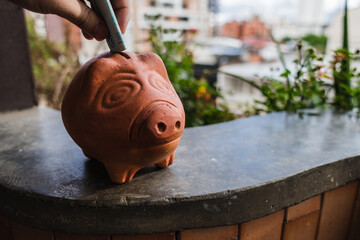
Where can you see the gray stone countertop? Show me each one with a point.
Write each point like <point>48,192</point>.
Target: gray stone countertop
<point>223,174</point>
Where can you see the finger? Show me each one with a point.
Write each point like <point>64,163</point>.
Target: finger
<point>122,12</point>
<point>81,15</point>
<point>85,34</point>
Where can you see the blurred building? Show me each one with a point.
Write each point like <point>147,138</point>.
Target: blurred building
<point>56,29</point>
<point>310,18</point>
<point>254,34</point>
<point>190,18</point>
<point>310,13</point>
<point>63,31</point>
<point>335,30</point>
<point>216,50</point>
<point>214,10</point>
<point>231,29</point>
<point>255,28</point>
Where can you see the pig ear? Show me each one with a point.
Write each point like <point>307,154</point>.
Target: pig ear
<point>155,63</point>
<point>96,71</point>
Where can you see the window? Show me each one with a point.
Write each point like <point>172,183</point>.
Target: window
<point>185,19</point>
<point>168,5</point>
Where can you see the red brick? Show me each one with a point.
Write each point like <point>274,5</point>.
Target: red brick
<point>336,212</point>
<point>302,228</point>
<point>214,233</point>
<point>303,208</point>
<point>268,227</point>
<point>5,231</point>
<point>354,233</point>
<point>22,232</point>
<point>159,236</point>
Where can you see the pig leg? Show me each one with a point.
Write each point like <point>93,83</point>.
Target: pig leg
<point>120,173</point>
<point>168,161</point>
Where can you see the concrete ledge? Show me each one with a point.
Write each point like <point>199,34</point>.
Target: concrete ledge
<point>223,174</point>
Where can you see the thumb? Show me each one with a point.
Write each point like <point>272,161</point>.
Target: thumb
<point>82,16</point>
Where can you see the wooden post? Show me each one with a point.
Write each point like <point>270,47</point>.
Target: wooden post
<point>16,78</point>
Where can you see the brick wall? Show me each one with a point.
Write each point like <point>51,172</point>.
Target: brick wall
<point>333,215</point>
<point>254,28</point>
<point>231,29</point>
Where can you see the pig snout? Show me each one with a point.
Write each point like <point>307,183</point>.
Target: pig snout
<point>164,121</point>
<point>158,124</point>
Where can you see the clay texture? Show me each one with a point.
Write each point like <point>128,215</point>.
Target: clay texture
<point>122,110</point>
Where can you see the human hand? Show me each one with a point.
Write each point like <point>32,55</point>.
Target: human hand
<point>77,12</point>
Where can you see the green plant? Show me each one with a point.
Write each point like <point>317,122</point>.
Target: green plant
<point>316,41</point>
<point>341,70</point>
<point>304,88</point>
<point>346,82</point>
<point>197,96</point>
<point>53,66</point>
<point>286,39</point>
<point>355,92</point>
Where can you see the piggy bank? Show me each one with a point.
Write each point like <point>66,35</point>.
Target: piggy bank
<point>122,110</point>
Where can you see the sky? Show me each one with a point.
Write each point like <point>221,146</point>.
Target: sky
<point>273,10</point>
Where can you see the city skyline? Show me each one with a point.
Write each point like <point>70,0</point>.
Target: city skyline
<point>285,9</point>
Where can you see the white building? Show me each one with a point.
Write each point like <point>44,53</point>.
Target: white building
<point>309,18</point>
<point>335,31</point>
<point>310,13</point>
<point>187,17</point>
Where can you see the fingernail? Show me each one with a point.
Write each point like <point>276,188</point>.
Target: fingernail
<point>101,32</point>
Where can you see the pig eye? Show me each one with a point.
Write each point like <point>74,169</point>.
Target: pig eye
<point>159,83</point>
<point>117,91</point>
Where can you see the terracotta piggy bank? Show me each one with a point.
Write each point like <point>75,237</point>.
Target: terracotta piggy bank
<point>122,110</point>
